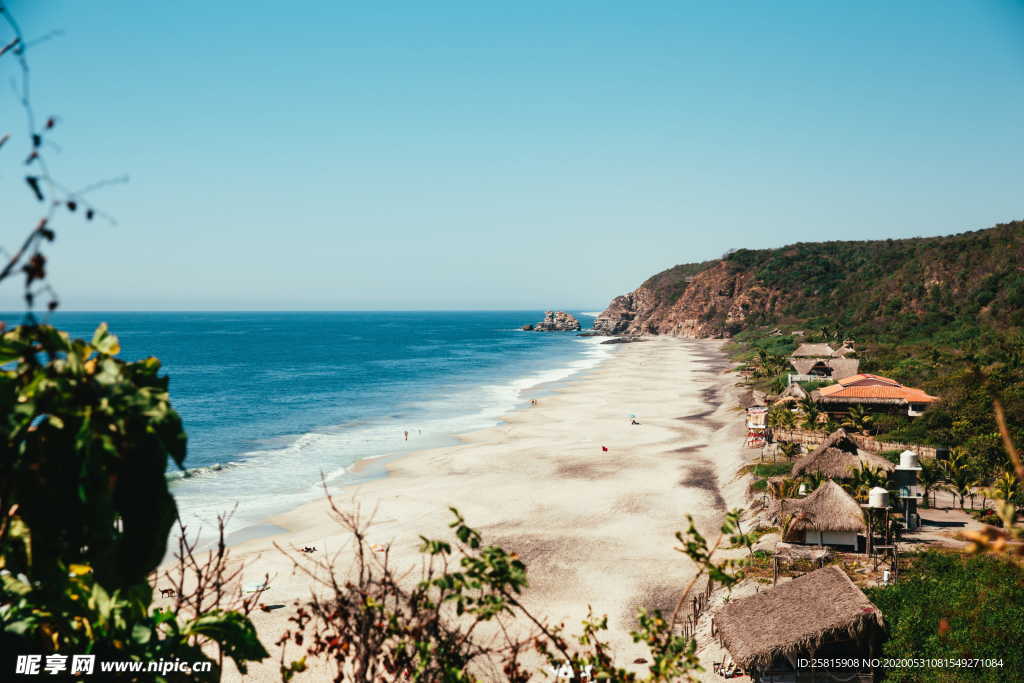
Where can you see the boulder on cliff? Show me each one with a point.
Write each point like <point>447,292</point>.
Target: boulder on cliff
<point>557,321</point>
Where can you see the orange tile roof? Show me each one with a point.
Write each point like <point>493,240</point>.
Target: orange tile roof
<point>909,394</point>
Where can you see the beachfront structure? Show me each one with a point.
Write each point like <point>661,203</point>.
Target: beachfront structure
<point>837,457</point>
<point>872,392</point>
<point>817,362</point>
<point>828,516</point>
<point>906,474</point>
<point>821,615</point>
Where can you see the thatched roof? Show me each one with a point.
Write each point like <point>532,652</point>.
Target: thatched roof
<point>807,350</point>
<point>804,366</point>
<point>839,367</point>
<point>827,508</point>
<point>838,464</point>
<point>837,439</point>
<point>844,367</point>
<point>794,617</point>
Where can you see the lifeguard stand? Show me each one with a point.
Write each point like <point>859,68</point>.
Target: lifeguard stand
<point>757,426</point>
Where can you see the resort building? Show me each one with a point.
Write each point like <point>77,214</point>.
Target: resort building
<point>828,516</point>
<point>812,362</point>
<point>872,392</point>
<point>821,615</point>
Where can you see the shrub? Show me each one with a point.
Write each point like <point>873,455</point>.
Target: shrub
<point>951,606</point>
<point>84,441</point>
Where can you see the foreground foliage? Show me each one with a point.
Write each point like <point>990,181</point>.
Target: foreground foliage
<point>463,618</point>
<point>85,439</point>
<point>954,606</point>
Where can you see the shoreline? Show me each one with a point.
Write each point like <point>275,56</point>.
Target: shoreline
<point>593,527</point>
<point>349,457</point>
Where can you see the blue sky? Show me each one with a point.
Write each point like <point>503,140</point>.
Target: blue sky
<point>502,155</point>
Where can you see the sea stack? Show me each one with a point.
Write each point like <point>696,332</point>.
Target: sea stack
<point>557,321</point>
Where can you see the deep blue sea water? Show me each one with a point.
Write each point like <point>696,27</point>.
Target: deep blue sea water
<point>272,400</point>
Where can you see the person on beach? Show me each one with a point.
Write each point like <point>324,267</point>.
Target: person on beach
<point>406,434</point>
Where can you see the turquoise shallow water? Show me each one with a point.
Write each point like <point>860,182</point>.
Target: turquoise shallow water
<point>272,400</point>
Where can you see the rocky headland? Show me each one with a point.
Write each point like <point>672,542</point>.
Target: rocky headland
<point>871,284</point>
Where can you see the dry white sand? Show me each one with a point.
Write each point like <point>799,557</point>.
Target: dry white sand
<point>594,528</point>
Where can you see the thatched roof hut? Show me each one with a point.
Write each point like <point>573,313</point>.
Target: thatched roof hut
<point>835,368</point>
<point>836,464</point>
<point>837,457</point>
<point>828,509</point>
<point>809,350</point>
<point>837,439</point>
<point>795,618</point>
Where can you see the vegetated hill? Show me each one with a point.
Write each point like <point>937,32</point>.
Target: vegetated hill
<point>942,313</point>
<point>890,289</point>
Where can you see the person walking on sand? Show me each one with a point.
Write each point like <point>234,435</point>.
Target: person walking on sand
<point>406,434</point>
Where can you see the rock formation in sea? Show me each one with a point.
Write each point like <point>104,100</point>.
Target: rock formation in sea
<point>557,321</point>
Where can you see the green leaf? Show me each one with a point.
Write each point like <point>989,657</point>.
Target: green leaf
<point>142,633</point>
<point>105,342</point>
<point>233,632</point>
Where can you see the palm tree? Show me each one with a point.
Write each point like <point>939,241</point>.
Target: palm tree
<point>959,475</point>
<point>859,419</point>
<point>930,476</point>
<point>862,480</point>
<point>811,412</point>
<point>769,365</point>
<point>790,449</point>
<point>780,489</point>
<point>781,416</point>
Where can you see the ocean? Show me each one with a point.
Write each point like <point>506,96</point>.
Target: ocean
<point>272,402</point>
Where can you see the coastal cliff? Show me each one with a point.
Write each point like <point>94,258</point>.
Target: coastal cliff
<point>892,285</point>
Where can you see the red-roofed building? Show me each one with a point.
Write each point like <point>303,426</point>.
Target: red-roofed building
<point>873,392</point>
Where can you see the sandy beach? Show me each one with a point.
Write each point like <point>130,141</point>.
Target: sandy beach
<point>594,527</point>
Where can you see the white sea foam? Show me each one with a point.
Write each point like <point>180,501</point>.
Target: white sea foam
<point>268,481</point>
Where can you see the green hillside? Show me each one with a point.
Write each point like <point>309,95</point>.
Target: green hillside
<point>945,287</point>
<point>942,313</point>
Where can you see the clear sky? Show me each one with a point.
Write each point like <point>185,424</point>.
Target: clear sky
<point>443,155</point>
